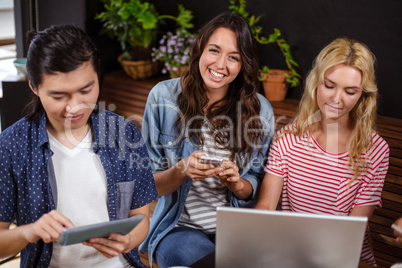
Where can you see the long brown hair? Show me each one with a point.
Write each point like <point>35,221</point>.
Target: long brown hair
<point>241,98</point>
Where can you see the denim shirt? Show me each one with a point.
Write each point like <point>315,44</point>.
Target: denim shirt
<point>28,188</point>
<point>161,138</point>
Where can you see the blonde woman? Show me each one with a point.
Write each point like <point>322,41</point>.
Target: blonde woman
<point>330,160</point>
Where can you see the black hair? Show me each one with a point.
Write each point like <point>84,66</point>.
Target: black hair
<point>59,48</point>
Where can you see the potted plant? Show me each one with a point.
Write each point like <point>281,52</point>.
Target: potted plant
<point>135,23</point>
<point>275,82</point>
<point>174,52</point>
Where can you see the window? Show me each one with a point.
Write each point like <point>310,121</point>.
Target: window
<point>7,30</point>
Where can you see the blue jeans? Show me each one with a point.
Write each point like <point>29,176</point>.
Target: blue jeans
<point>183,246</point>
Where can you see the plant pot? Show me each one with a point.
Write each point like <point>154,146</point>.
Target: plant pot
<point>179,72</point>
<point>139,69</point>
<point>275,85</point>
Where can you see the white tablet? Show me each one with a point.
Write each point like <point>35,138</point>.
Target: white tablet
<point>80,234</point>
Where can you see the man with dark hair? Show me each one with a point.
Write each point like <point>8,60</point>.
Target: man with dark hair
<point>65,165</point>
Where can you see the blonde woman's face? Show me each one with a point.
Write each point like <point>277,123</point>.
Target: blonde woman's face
<point>339,93</point>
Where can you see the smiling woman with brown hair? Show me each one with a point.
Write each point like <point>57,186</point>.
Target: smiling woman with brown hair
<point>213,110</point>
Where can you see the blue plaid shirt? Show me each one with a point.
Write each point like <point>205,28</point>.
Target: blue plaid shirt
<point>27,176</point>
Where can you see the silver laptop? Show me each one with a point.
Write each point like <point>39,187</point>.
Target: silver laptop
<point>260,238</point>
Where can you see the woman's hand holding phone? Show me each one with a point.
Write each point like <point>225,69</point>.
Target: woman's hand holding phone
<point>230,177</point>
<point>227,172</point>
<point>214,162</point>
<point>196,169</point>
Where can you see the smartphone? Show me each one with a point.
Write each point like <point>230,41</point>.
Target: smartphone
<point>211,160</point>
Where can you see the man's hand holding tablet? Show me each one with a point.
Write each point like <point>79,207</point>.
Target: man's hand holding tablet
<point>81,234</point>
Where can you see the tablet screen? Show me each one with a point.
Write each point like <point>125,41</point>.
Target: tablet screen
<point>80,234</point>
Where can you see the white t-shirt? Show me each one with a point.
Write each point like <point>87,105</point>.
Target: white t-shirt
<point>82,198</point>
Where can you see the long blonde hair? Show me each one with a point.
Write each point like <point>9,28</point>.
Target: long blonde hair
<point>354,54</point>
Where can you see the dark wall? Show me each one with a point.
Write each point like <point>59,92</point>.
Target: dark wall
<point>40,14</point>
<point>311,24</point>
<point>307,25</point>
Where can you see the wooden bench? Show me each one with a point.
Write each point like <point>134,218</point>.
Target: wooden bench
<point>129,97</point>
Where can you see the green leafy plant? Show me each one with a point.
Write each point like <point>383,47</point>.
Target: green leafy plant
<point>174,50</point>
<point>239,7</point>
<point>134,23</point>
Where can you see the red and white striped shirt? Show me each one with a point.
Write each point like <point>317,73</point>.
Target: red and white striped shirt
<point>317,182</point>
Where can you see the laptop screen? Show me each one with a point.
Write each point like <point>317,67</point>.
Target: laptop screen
<point>262,238</point>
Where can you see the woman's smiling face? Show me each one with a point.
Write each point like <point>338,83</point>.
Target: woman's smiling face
<point>220,62</point>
